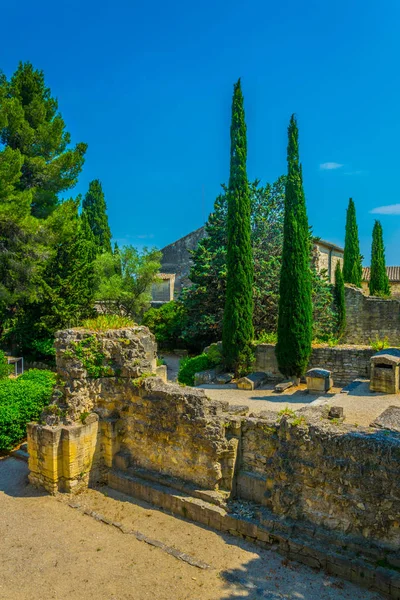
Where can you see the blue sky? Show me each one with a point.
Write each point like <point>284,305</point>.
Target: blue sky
<point>148,86</point>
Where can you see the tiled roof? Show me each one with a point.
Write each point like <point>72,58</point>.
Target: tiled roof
<point>392,272</point>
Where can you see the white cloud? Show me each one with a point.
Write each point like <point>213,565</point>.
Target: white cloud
<point>329,166</point>
<point>389,209</point>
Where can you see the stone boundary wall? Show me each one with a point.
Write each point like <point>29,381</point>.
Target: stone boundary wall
<point>371,317</point>
<point>306,469</point>
<point>346,363</point>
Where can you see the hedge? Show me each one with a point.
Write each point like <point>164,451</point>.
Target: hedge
<point>189,366</point>
<point>21,401</point>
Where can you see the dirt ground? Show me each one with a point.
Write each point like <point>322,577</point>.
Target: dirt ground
<point>52,551</point>
<point>361,406</point>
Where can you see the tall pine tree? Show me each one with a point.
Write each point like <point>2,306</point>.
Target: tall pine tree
<point>352,261</point>
<point>94,208</point>
<point>295,307</point>
<point>340,300</point>
<point>237,334</point>
<point>379,280</point>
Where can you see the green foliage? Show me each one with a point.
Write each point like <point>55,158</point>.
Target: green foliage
<point>88,352</point>
<point>94,209</point>
<point>31,125</point>
<point>352,260</point>
<point>214,353</point>
<point>124,280</point>
<point>166,322</point>
<point>340,300</point>
<point>266,338</point>
<point>45,261</point>
<point>379,344</point>
<point>104,322</point>
<point>66,283</point>
<point>43,349</point>
<point>295,308</point>
<point>21,401</point>
<point>237,332</point>
<point>324,318</point>
<point>204,299</point>
<point>5,368</point>
<point>188,366</point>
<point>379,280</point>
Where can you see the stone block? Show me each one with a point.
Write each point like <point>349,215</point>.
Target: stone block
<point>252,381</point>
<point>162,372</point>
<point>282,387</point>
<point>319,380</point>
<point>207,376</point>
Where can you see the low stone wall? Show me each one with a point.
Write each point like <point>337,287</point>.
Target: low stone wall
<point>346,363</point>
<point>370,317</point>
<point>306,469</point>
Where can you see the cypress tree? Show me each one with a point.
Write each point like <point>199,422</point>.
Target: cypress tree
<point>295,307</point>
<point>117,256</point>
<point>237,332</point>
<point>379,280</point>
<point>95,209</point>
<point>340,299</point>
<point>352,267</point>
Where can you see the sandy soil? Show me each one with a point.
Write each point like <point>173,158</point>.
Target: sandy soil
<point>51,551</point>
<point>362,407</point>
<point>265,398</point>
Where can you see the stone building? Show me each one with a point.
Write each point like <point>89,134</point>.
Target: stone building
<point>327,255</point>
<point>394,280</point>
<point>176,263</point>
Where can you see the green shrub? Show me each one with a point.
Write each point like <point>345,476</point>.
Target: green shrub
<point>191,365</point>
<point>21,401</point>
<point>167,324</point>
<point>379,344</point>
<point>5,368</point>
<point>43,349</point>
<point>104,322</point>
<point>266,338</point>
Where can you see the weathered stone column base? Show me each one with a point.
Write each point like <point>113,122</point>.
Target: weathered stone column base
<point>62,457</point>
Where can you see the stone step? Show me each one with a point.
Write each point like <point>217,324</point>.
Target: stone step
<point>219,498</point>
<point>267,530</point>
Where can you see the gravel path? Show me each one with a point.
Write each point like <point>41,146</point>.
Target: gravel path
<point>51,551</point>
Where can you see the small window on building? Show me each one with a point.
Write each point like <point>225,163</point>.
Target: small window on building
<point>163,290</point>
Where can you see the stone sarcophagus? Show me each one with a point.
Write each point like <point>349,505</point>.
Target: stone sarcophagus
<point>319,380</point>
<point>385,371</point>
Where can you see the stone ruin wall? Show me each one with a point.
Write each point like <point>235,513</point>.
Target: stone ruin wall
<point>147,423</point>
<point>346,363</point>
<point>336,478</point>
<point>371,317</point>
<point>300,467</point>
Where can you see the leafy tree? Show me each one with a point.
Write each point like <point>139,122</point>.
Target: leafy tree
<point>340,299</point>
<point>123,283</point>
<point>31,124</point>
<point>295,308</point>
<point>66,284</point>
<point>204,300</point>
<point>379,280</point>
<point>352,260</point>
<point>166,324</point>
<point>238,333</point>
<point>95,210</point>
